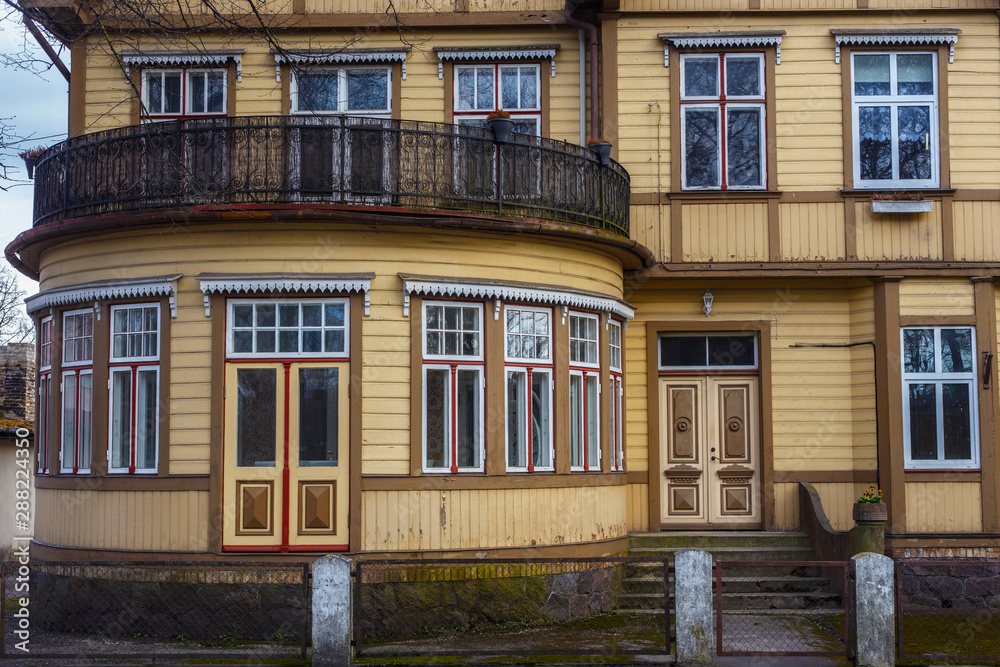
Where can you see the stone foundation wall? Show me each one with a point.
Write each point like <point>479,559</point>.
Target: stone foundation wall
<point>961,585</point>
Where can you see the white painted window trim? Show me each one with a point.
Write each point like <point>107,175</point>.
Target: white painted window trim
<point>85,362</point>
<point>897,37</point>
<point>342,100</point>
<point>347,56</point>
<point>168,59</point>
<point>481,331</point>
<point>938,378</point>
<point>146,359</point>
<point>611,346</point>
<point>251,284</point>
<point>133,414</point>
<point>449,413</point>
<point>77,374</point>
<point>722,41</point>
<point>586,365</point>
<point>42,344</point>
<point>186,95</point>
<point>523,369</point>
<point>457,54</point>
<point>526,361</point>
<point>706,336</point>
<point>585,374</point>
<point>105,290</point>
<point>343,355</point>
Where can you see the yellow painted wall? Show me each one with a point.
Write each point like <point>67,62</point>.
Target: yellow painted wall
<point>638,507</point>
<point>936,297</point>
<point>812,232</point>
<point>491,519</point>
<point>783,5</point>
<point>724,233</point>
<point>140,520</point>
<point>948,507</point>
<point>977,237</point>
<point>837,498</point>
<point>898,235</point>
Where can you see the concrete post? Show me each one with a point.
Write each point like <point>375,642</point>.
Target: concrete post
<point>874,611</point>
<point>693,598</point>
<point>331,611</point>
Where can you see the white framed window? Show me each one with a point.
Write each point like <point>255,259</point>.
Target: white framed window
<point>895,119</point>
<point>44,391</point>
<point>701,352</point>
<point>477,94</point>
<point>77,391</point>
<point>184,92</point>
<point>584,393</point>
<point>529,388</point>
<point>616,387</point>
<point>940,420</point>
<point>287,328</point>
<point>453,384</point>
<point>365,91</point>
<point>723,136</point>
<point>133,388</point>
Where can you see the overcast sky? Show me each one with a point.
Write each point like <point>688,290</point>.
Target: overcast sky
<point>35,108</point>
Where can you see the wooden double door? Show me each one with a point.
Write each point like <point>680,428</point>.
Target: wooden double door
<point>710,452</point>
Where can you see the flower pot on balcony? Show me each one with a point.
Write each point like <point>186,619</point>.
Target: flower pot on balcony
<point>29,163</point>
<point>901,206</point>
<point>502,127</point>
<point>870,512</point>
<point>603,151</point>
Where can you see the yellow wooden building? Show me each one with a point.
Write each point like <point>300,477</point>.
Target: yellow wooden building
<point>295,296</point>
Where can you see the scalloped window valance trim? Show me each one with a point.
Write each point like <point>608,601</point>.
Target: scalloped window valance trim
<point>718,40</point>
<point>217,283</point>
<point>931,37</point>
<point>176,59</point>
<point>339,57</point>
<point>540,52</point>
<point>107,289</point>
<point>509,291</point>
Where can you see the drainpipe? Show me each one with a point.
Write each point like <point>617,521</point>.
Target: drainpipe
<point>591,31</point>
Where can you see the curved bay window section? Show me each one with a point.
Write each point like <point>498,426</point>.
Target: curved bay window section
<point>134,389</point>
<point>529,390</point>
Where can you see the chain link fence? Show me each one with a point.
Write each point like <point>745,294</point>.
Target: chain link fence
<point>782,608</point>
<point>948,609</point>
<point>233,610</point>
<point>523,607</point>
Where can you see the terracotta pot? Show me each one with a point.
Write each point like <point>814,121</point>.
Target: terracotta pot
<point>870,512</point>
<point>502,127</point>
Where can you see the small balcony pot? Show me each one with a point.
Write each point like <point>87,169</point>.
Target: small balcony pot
<point>29,163</point>
<point>901,206</point>
<point>502,127</point>
<point>870,512</point>
<point>603,150</point>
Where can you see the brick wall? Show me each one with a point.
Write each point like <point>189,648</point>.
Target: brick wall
<point>17,381</point>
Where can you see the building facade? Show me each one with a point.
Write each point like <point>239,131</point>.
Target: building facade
<point>295,297</point>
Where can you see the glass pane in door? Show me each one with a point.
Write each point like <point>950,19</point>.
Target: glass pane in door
<point>319,390</point>
<point>256,433</point>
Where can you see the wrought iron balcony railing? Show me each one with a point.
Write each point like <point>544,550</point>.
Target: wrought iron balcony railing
<point>371,162</point>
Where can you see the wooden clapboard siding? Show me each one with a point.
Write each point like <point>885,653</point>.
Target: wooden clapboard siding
<point>948,507</point>
<point>974,103</point>
<point>792,5</point>
<point>650,226</point>
<point>838,501</point>
<point>812,232</point>
<point>386,371</point>
<point>933,297</point>
<point>862,357</point>
<point>491,518</point>
<point>138,520</point>
<point>638,507</point>
<point>977,236</point>
<point>724,233</point>
<point>786,506</point>
<point>636,423</point>
<point>898,235</point>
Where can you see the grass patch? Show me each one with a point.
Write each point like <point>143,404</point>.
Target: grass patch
<point>947,637</point>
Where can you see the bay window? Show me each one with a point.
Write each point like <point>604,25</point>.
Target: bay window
<point>134,388</point>
<point>584,389</point>
<point>184,92</point>
<point>528,355</point>
<point>940,423</point>
<point>77,391</point>
<point>44,391</point>
<point>617,391</point>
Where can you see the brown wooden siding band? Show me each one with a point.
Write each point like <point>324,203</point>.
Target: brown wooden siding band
<point>130,483</point>
<point>101,400</point>
<point>355,396</point>
<point>943,476</point>
<point>637,477</point>
<point>78,89</point>
<point>947,229</point>
<point>560,351</point>
<point>609,80</point>
<point>799,196</point>
<point>478,481</point>
<point>937,320</point>
<point>833,269</point>
<point>653,422</point>
<point>495,395</point>
<point>889,401</point>
<point>216,508</point>
<point>825,476</point>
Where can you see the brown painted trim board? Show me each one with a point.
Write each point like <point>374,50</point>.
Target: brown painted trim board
<point>889,401</point>
<point>78,89</point>
<point>355,393</point>
<point>472,482</point>
<point>609,80</point>
<point>416,386</point>
<point>216,510</point>
<point>825,476</point>
<point>637,477</point>
<point>124,483</point>
<point>937,320</point>
<point>989,407</point>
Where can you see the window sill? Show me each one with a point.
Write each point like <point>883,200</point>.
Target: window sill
<point>901,206</point>
<point>724,194</point>
<point>943,475</point>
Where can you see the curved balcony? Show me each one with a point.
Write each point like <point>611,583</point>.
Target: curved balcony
<point>329,160</point>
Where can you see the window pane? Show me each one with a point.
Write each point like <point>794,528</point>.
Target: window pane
<point>918,350</point>
<point>701,147</point>
<point>172,92</point>
<point>216,92</point>
<point>312,340</point>
<point>196,85</point>
<point>540,414</point>
<point>265,315</point>
<point>265,341</point>
<point>436,416</point>
<point>529,88</point>
<point>69,422</point>
<point>243,316</point>
<point>915,74</point>
<point>318,91</point>
<point>367,90</point>
<point>871,75</point>
<point>256,417</point>
<point>526,126</point>
<point>875,139</point>
<point>956,350</point>
<point>470,344</point>
<point>731,351</point>
<point>484,88</point>
<point>701,77</point>
<point>335,315</point>
<point>155,94</point>
<point>914,142</point>
<point>86,419</point>
<point>121,418</point>
<point>318,416</point>
<point>242,341</point>
<point>743,147</point>
<point>743,76</point>
<point>288,341</point>
<point>288,315</point>
<point>509,88</point>
<point>683,351</point>
<point>592,413</point>
<point>466,88</point>
<point>145,420</point>
<point>923,422</point>
<point>468,418</point>
<point>957,420</point>
<point>576,420</point>
<point>312,315</point>
<point>517,444</point>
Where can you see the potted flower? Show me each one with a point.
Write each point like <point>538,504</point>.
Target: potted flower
<point>30,158</point>
<point>870,507</point>
<point>501,124</point>
<point>900,202</point>
<point>602,147</point>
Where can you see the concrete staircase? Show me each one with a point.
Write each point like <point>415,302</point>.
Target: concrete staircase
<point>795,590</point>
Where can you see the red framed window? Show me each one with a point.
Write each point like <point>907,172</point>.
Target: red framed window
<point>617,393</point>
<point>77,391</point>
<point>44,392</point>
<point>134,370</point>
<point>528,356</point>
<point>584,393</point>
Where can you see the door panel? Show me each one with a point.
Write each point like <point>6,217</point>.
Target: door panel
<point>710,447</point>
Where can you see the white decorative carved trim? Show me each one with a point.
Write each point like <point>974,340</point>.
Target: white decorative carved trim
<point>107,289</point>
<point>719,40</point>
<point>541,52</point>
<point>177,59</point>
<point>217,283</point>
<point>948,36</point>
<point>338,57</point>
<point>510,291</point>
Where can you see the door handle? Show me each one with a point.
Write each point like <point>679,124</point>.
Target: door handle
<point>713,458</point>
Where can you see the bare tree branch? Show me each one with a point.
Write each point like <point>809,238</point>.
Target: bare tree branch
<point>15,327</point>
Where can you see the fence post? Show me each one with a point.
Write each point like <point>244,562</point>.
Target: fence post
<point>693,599</point>
<point>874,611</point>
<point>331,610</point>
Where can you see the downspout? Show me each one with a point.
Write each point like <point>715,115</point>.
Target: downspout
<point>591,31</point>
<point>583,89</point>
